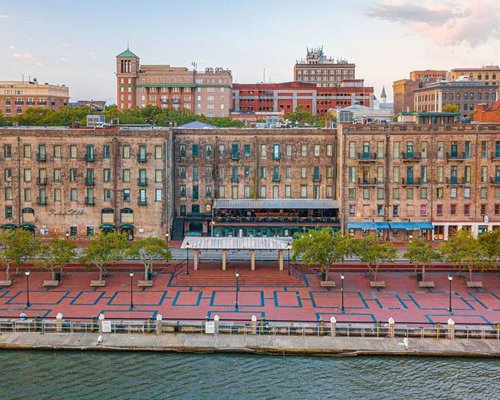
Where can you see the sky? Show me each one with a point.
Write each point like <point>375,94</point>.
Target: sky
<point>74,42</point>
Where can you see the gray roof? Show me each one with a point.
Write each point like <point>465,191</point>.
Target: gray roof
<point>235,243</point>
<point>278,204</point>
<point>196,125</point>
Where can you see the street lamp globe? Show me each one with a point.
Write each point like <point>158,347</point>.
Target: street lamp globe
<point>27,273</point>
<point>131,273</point>
<point>450,278</point>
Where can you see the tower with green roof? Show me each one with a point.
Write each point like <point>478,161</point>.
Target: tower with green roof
<point>127,72</point>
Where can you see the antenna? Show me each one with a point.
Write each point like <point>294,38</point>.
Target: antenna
<point>264,75</point>
<point>128,45</point>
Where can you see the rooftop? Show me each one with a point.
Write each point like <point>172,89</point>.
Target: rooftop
<point>126,54</point>
<point>234,243</point>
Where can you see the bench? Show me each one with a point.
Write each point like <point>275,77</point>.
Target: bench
<point>51,283</point>
<point>426,284</point>
<point>474,284</point>
<point>6,283</point>
<point>327,284</point>
<point>98,283</point>
<point>377,284</point>
<point>145,283</point>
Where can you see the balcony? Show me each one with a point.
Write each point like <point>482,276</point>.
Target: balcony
<point>495,155</point>
<point>90,201</point>
<point>411,182</point>
<point>317,178</point>
<point>235,156</point>
<point>89,181</point>
<point>367,157</point>
<point>495,181</point>
<point>90,158</point>
<point>142,159</point>
<point>41,181</point>
<point>142,182</point>
<point>276,178</point>
<point>235,179</point>
<point>410,157</point>
<point>41,157</point>
<point>41,201</point>
<point>367,182</point>
<point>455,156</point>
<point>455,181</point>
<point>142,201</point>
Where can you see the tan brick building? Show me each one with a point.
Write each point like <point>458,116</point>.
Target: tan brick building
<point>489,75</point>
<point>178,88</point>
<point>399,181</point>
<point>17,96</point>
<point>78,181</point>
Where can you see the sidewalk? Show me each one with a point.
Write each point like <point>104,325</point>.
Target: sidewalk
<point>258,344</point>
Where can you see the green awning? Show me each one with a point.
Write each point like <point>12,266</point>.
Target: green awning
<point>107,226</point>
<point>127,226</point>
<point>9,226</point>
<point>30,227</point>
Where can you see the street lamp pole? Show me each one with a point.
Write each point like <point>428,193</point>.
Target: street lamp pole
<point>288,248</point>
<point>450,278</point>
<point>237,274</point>
<point>167,236</point>
<point>212,223</point>
<point>131,273</point>
<point>342,276</point>
<point>188,246</point>
<point>67,235</point>
<point>27,273</point>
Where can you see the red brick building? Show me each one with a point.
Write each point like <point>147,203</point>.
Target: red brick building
<point>487,114</point>
<point>286,97</point>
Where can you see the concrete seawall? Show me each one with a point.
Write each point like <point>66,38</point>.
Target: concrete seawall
<point>254,344</point>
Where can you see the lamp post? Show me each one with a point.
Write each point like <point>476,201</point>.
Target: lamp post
<point>188,246</point>
<point>167,236</point>
<point>212,223</point>
<point>342,276</point>
<point>131,273</point>
<point>67,235</point>
<point>450,278</point>
<point>288,247</point>
<point>237,275</point>
<point>27,273</point>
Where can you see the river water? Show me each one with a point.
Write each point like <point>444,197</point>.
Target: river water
<point>135,375</point>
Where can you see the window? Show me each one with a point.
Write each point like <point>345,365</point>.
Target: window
<point>423,173</point>
<point>263,192</point>
<point>208,191</point>
<point>396,174</point>
<point>263,172</point>
<point>27,195</point>
<point>425,149</point>
<point>396,150</point>
<point>380,194</point>
<point>8,212</point>
<point>423,193</point>
<point>395,210</point>
<point>158,175</point>
<point>409,193</point>
<point>263,150</point>
<point>329,150</point>
<point>57,151</point>
<point>440,149</point>
<point>352,149</point>
<point>352,174</point>
<point>466,209</point>
<point>73,175</point>
<point>303,191</point>
<point>27,175</point>
<point>126,195</point>
<point>439,210</point>
<point>158,152</point>
<point>73,151</point>
<point>221,191</point>
<point>288,191</point>
<point>453,209</point>
<point>27,151</point>
<point>380,210</point>
<point>380,150</point>
<point>483,209</point>
<point>317,150</point>
<point>352,194</point>
<point>352,210</point>
<point>395,193</point>
<point>126,175</point>
<point>484,149</point>
<point>483,193</point>
<point>222,150</point>
<point>484,174</point>
<point>497,209</point>
<point>329,192</point>
<point>126,151</point>
<point>329,172</point>
<point>57,175</point>
<point>208,151</point>
<point>303,150</point>
<point>7,151</point>
<point>247,151</point>
<point>182,151</point>
<point>182,191</point>
<point>366,194</point>
<point>182,172</point>
<point>73,195</point>
<point>196,175</point>
<point>195,150</point>
<point>107,195</point>
<point>440,174</point>
<point>106,151</point>
<point>466,193</point>
<point>289,150</point>
<point>453,193</point>
<point>303,172</point>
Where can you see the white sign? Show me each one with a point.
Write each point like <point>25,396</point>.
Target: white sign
<point>106,326</point>
<point>210,327</point>
<point>486,219</point>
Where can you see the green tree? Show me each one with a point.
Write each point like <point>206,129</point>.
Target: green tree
<point>148,251</point>
<point>421,253</point>
<point>373,253</point>
<point>56,254</point>
<point>490,242</point>
<point>104,249</point>
<point>302,117</point>
<point>17,247</point>
<point>464,251</point>
<point>450,108</point>
<point>321,248</point>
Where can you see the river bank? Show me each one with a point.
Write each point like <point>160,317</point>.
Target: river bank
<point>254,344</point>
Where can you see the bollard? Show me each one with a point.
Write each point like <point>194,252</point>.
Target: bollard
<point>377,328</point>
<point>321,326</point>
<point>101,319</point>
<point>253,325</point>
<point>59,322</point>
<point>159,319</point>
<point>333,326</point>
<point>451,329</point>
<point>498,331</point>
<point>390,332</point>
<point>216,323</point>
<point>438,330</point>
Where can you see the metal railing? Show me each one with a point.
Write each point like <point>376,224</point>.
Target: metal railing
<point>263,327</point>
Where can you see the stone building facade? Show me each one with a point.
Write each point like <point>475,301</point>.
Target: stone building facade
<point>77,181</point>
<point>399,181</point>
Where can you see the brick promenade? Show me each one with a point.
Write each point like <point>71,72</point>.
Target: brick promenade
<point>266,292</point>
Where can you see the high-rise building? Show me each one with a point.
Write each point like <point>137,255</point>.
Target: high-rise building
<point>164,86</point>
<point>17,96</point>
<point>322,71</point>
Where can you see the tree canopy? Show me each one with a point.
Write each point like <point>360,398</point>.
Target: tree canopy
<point>490,241</point>
<point>56,254</point>
<point>16,247</point>
<point>450,108</point>
<point>148,251</point>
<point>422,253</point>
<point>373,253</point>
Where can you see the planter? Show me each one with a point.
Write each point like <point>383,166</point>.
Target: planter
<point>6,283</point>
<point>51,283</point>
<point>377,284</point>
<point>145,283</point>
<point>474,284</point>
<point>98,283</point>
<point>426,284</point>
<point>327,284</point>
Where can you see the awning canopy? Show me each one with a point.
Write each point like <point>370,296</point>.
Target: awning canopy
<point>9,226</point>
<point>234,243</point>
<point>410,226</point>
<point>127,226</point>
<point>277,204</point>
<point>368,226</point>
<point>30,227</point>
<point>107,226</point>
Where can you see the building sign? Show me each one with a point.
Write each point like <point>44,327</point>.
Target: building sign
<point>66,213</point>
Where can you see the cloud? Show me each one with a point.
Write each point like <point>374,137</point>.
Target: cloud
<point>12,47</point>
<point>450,24</point>
<point>22,55</point>
<point>4,16</point>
